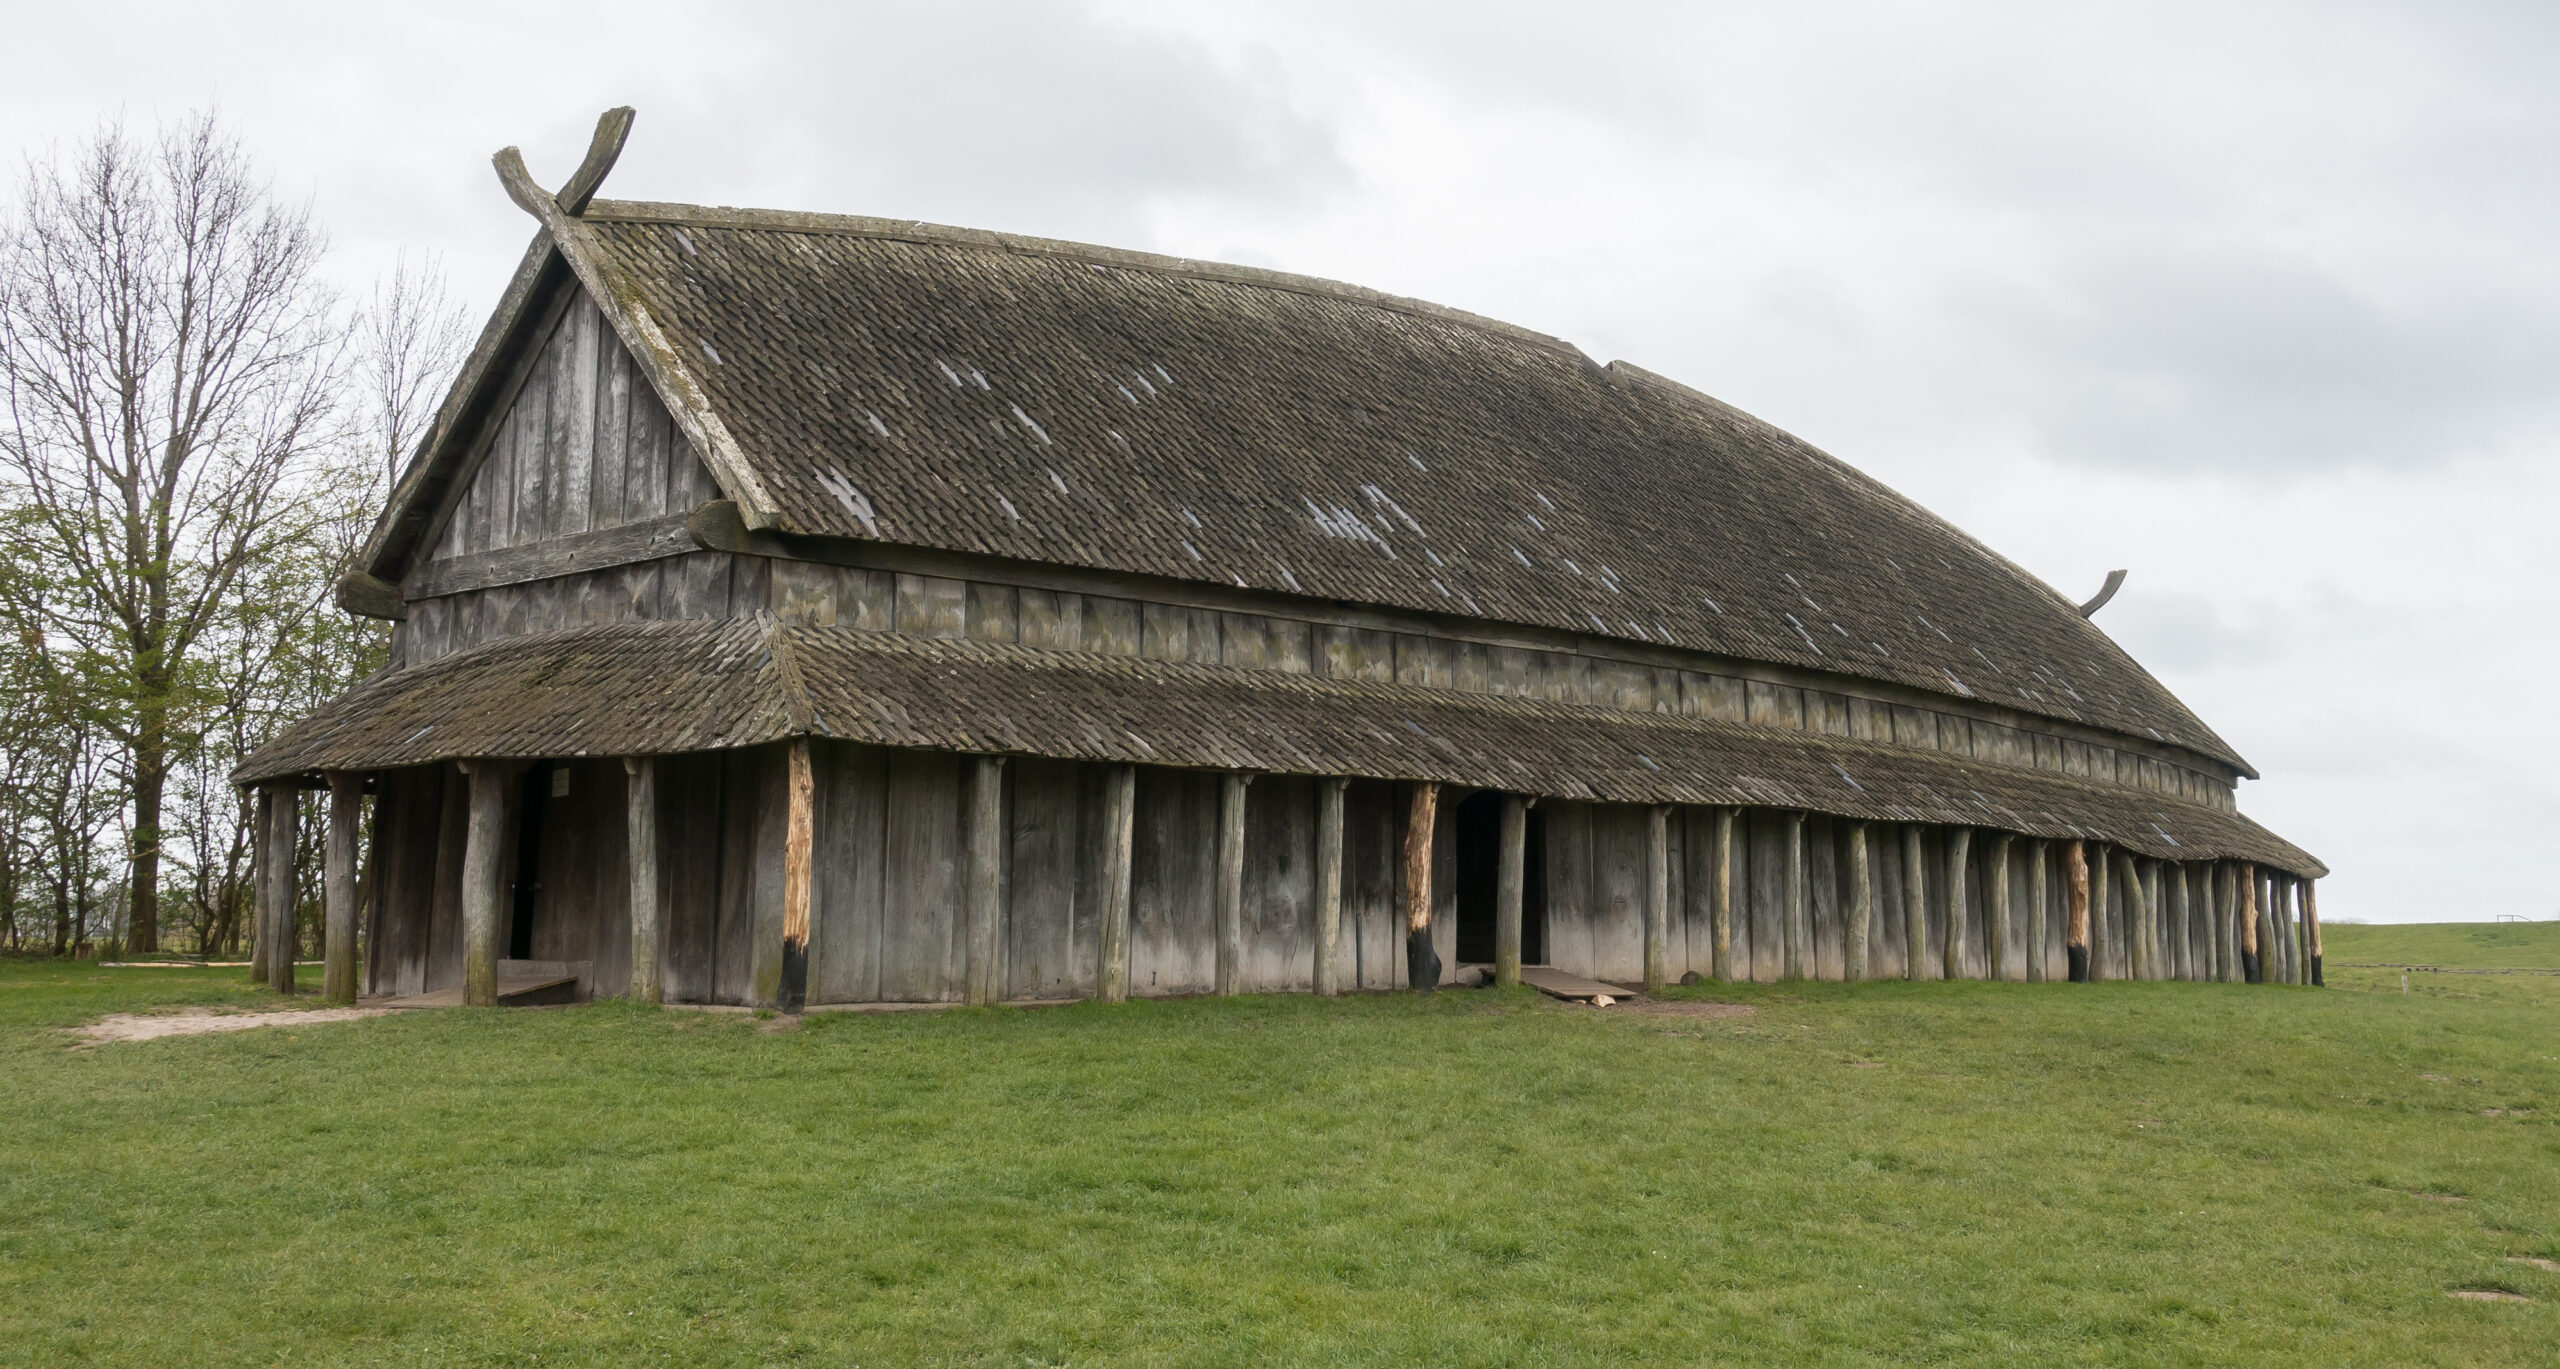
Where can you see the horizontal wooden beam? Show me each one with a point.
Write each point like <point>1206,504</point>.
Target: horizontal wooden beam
<point>651,540</point>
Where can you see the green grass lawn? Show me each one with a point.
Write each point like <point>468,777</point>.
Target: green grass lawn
<point>2118,1174</point>
<point>2472,944</point>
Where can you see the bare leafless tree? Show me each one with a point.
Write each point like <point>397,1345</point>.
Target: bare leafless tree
<point>169,379</point>
<point>410,341</point>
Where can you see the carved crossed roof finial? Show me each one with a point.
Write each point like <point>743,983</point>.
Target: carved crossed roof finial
<point>612,130</point>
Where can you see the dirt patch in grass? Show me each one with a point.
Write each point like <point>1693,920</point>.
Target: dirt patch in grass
<point>125,1026</point>
<point>1659,1007</point>
<point>2485,1295</point>
<point>2546,1266</point>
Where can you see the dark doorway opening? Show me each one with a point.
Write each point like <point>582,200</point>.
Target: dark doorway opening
<point>532,797</point>
<point>1479,877</point>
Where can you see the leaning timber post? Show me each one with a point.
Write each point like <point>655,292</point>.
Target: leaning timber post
<point>2039,901</point>
<point>985,891</point>
<point>262,873</point>
<point>1995,912</point>
<point>1959,922</point>
<point>338,888</point>
<point>2099,945</point>
<point>799,843</point>
<point>2235,969</point>
<point>2075,894</point>
<point>2311,929</point>
<point>1862,906</point>
<point>484,878</point>
<point>1510,887</point>
<point>1422,962</point>
<point>284,821</point>
<point>1915,906</point>
<point>2137,917</point>
<point>1329,885</point>
<point>1230,887</point>
<point>2298,946</point>
<point>2155,921</point>
<point>1119,826</point>
<point>640,836</point>
<point>2181,958</point>
<point>1720,892</point>
<point>1657,898</point>
<point>2251,966</point>
<point>1797,944</point>
<point>2280,906</point>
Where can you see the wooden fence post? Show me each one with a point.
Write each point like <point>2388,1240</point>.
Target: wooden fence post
<point>1657,898</point>
<point>1422,960</point>
<point>1862,896</point>
<point>338,893</point>
<point>2075,874</point>
<point>1915,906</point>
<point>1230,883</point>
<point>1119,821</point>
<point>484,878</point>
<point>1328,882</point>
<point>284,821</point>
<point>1510,890</point>
<point>640,841</point>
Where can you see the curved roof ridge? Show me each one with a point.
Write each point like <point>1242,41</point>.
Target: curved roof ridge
<point>1023,244</point>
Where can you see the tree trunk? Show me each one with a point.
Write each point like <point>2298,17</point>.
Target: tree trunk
<point>150,785</point>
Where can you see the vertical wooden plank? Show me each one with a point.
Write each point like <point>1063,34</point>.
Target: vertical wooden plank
<point>2102,941</point>
<point>338,893</point>
<point>284,820</point>
<point>1045,956</point>
<point>484,879</point>
<point>1329,800</point>
<point>1862,897</point>
<point>2039,946</point>
<point>1112,627</point>
<point>1276,941</point>
<point>992,613</point>
<point>640,818</point>
<point>1230,882</point>
<point>1510,883</point>
<point>984,886</point>
<point>921,926</point>
<point>1119,813</point>
<point>1798,908</point>
<point>1657,898</point>
<point>1173,936</point>
<point>2311,932</point>
<point>2075,874</point>
<point>574,508</point>
<point>1826,922</point>
<point>799,836</point>
<point>931,606</point>
<point>2001,949</point>
<point>1720,892</point>
<point>1050,619</point>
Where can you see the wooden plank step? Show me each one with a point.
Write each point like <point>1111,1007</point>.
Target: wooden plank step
<point>1573,988</point>
<point>536,990</point>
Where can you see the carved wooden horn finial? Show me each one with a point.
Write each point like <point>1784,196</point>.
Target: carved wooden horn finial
<point>2115,581</point>
<point>612,130</point>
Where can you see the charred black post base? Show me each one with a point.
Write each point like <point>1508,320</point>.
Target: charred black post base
<point>2316,981</point>
<point>1422,962</point>
<point>2249,968</point>
<point>794,995</point>
<point>2079,964</point>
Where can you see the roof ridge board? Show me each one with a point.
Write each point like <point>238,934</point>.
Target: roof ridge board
<point>1023,244</point>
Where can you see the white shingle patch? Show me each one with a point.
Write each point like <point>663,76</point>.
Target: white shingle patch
<point>712,352</point>
<point>1162,374</point>
<point>876,425</point>
<point>685,243</point>
<point>980,377</point>
<point>1144,384</point>
<point>1036,430</point>
<point>1417,463</point>
<point>1009,511</point>
<point>951,375</point>
<point>1124,393</point>
<point>1521,557</point>
<point>854,501</point>
<point>1055,479</point>
<point>1191,551</point>
<point>1189,517</point>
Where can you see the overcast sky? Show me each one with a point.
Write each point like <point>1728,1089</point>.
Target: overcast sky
<point>2259,301</point>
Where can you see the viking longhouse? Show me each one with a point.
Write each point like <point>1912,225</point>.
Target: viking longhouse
<point>795,609</point>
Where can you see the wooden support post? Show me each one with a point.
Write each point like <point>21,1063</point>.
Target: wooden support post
<point>1119,826</point>
<point>1797,942</point>
<point>1996,911</point>
<point>2252,965</point>
<point>1657,898</point>
<point>2227,881</point>
<point>1862,905</point>
<point>1720,892</point>
<point>1959,853</point>
<point>2182,948</point>
<point>1230,883</point>
<point>338,891</point>
<point>799,842</point>
<point>262,812</point>
<point>284,821</point>
<point>2156,920</point>
<point>484,878</point>
<point>1915,905</point>
<point>2039,904</point>
<point>1422,960</point>
<point>985,889</point>
<point>2075,885</point>
<point>2137,917</point>
<point>2311,930</point>
<point>1329,886</point>
<point>640,842</point>
<point>2280,885</point>
<point>2100,946</point>
<point>1510,890</point>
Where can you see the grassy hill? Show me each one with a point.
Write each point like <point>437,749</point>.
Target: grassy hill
<point>1953,1173</point>
<point>2498,944</point>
